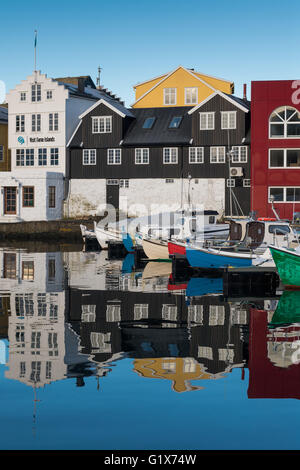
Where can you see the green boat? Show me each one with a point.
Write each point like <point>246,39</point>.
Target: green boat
<point>287,261</point>
<point>288,309</point>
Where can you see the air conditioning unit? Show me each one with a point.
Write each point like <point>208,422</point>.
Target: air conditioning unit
<point>236,171</point>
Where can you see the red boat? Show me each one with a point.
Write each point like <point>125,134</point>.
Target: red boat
<point>176,248</point>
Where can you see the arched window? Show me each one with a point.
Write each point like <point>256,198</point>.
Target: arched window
<point>285,122</point>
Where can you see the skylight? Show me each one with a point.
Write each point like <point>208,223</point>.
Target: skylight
<point>148,123</point>
<point>175,122</point>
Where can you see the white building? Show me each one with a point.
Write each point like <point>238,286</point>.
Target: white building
<point>42,115</point>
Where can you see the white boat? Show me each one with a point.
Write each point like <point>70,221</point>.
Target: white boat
<point>104,235</point>
<point>155,249</point>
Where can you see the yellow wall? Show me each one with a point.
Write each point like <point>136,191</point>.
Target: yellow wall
<point>5,165</point>
<point>179,79</point>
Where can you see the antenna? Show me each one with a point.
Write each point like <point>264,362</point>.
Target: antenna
<point>98,78</point>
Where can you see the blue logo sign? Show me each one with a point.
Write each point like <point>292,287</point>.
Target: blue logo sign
<point>21,140</point>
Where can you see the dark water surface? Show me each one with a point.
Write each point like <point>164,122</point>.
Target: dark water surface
<point>97,354</point>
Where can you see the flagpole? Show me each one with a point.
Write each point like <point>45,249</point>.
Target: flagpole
<point>35,39</point>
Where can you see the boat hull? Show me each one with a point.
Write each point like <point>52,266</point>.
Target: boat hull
<point>176,248</point>
<point>201,258</point>
<point>155,249</point>
<point>103,236</point>
<point>288,266</point>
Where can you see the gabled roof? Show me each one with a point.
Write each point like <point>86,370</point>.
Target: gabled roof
<point>244,105</point>
<point>87,80</point>
<point>160,133</point>
<point>168,75</point>
<point>114,105</point>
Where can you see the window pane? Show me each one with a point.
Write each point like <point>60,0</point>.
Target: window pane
<point>277,130</point>
<point>293,194</point>
<point>276,158</point>
<point>293,129</point>
<point>277,193</point>
<point>293,158</point>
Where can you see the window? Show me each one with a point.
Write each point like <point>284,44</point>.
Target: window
<point>53,122</point>
<point>169,180</point>
<point>207,121</point>
<point>20,123</point>
<point>196,154</point>
<point>228,119</point>
<point>101,124</point>
<point>246,183</point>
<point>54,156</point>
<point>191,96</point>
<point>28,271</point>
<point>29,157</point>
<point>89,157</point>
<point>124,184</point>
<point>148,123</point>
<point>217,154</point>
<point>287,194</point>
<point>230,183</point>
<point>141,311</point>
<point>10,266</point>
<point>216,315</point>
<point>36,123</point>
<point>141,156</point>
<point>169,95</point>
<point>35,92</point>
<point>42,153</point>
<point>284,158</point>
<point>170,155</point>
<point>113,313</point>
<point>205,352</point>
<point>239,154</point>
<point>23,96</point>
<point>114,157</point>
<point>175,122</point>
<point>28,196</point>
<point>279,229</point>
<point>49,94</point>
<point>112,182</point>
<point>1,153</point>
<point>284,122</point>
<point>20,157</point>
<point>52,197</point>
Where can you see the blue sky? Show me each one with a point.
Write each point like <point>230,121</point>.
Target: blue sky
<point>135,40</point>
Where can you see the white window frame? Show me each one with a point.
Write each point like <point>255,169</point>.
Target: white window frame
<point>284,194</point>
<point>247,183</point>
<point>42,153</point>
<point>29,157</point>
<point>36,92</point>
<point>89,157</point>
<point>124,183</point>
<point>112,182</point>
<point>172,154</point>
<point>101,124</point>
<point>53,122</point>
<point>227,114</point>
<point>284,122</point>
<point>199,155</point>
<point>218,157</point>
<point>284,160</point>
<point>20,126</point>
<point>204,126</point>
<point>54,156</point>
<point>169,180</point>
<point>114,156</point>
<point>49,93</point>
<point>230,183</point>
<point>23,94</point>
<point>189,90</point>
<point>35,123</point>
<point>144,152</point>
<point>168,91</point>
<point>240,158</point>
<point>21,154</point>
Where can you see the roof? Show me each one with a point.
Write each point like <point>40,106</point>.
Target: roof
<point>84,86</point>
<point>75,80</point>
<point>240,103</point>
<point>113,104</point>
<point>160,132</point>
<point>3,114</point>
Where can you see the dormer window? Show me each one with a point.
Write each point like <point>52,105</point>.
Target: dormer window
<point>148,123</point>
<point>170,96</point>
<point>101,124</point>
<point>175,122</point>
<point>285,122</point>
<point>36,92</point>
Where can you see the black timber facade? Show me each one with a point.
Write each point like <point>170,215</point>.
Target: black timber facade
<point>128,134</point>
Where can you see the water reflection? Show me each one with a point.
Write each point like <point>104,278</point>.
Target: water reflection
<point>71,315</point>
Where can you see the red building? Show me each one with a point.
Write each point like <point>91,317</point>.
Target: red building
<point>275,147</point>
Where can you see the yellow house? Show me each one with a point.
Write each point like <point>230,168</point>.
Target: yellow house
<point>179,370</point>
<point>181,87</point>
<point>4,152</point>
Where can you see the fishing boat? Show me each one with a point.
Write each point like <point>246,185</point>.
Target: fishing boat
<point>156,249</point>
<point>287,261</point>
<point>105,234</point>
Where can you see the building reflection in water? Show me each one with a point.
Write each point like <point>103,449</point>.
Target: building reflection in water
<point>75,314</point>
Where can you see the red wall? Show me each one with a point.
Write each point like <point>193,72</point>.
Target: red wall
<point>266,96</point>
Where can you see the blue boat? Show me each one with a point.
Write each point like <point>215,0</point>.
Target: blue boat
<point>128,243</point>
<point>212,258</point>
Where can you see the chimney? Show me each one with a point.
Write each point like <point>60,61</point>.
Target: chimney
<point>81,83</point>
<point>245,91</point>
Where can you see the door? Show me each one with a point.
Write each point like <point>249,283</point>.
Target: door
<point>112,192</point>
<point>10,200</point>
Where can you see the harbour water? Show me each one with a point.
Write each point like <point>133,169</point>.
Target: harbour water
<point>98,354</point>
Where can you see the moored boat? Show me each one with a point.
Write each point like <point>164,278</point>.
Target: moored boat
<point>287,261</point>
<point>156,249</point>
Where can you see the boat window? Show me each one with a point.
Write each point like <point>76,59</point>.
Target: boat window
<point>279,229</point>
<point>211,219</point>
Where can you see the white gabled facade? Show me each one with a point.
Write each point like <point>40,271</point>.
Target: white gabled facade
<point>42,116</point>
